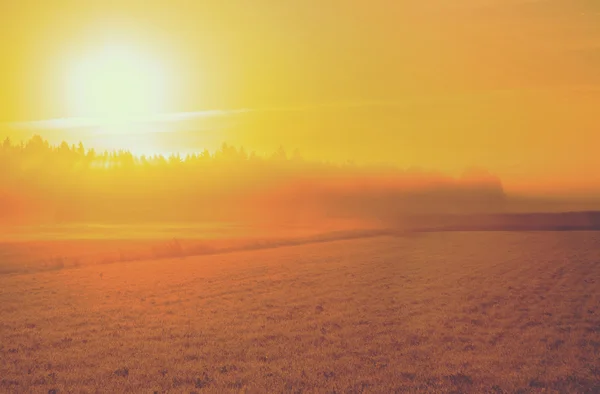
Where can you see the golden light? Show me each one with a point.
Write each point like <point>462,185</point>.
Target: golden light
<point>116,82</point>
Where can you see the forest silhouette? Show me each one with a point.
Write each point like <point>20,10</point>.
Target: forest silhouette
<point>44,184</point>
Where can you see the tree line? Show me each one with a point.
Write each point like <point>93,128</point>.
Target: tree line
<point>40,182</point>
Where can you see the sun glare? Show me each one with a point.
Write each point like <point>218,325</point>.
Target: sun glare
<point>116,82</point>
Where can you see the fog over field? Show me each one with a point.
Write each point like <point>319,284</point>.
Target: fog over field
<point>310,196</point>
<point>235,272</point>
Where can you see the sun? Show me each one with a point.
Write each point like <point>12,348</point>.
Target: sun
<point>116,82</point>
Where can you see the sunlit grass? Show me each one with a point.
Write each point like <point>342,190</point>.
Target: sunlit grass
<point>427,313</point>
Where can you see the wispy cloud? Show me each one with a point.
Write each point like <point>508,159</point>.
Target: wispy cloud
<point>94,122</point>
<point>178,117</point>
<point>153,122</point>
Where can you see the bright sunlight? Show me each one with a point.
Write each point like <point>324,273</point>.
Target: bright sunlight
<point>115,83</point>
<point>268,196</point>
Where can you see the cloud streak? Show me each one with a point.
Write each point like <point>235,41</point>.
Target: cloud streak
<point>177,117</point>
<point>92,122</point>
<point>68,123</point>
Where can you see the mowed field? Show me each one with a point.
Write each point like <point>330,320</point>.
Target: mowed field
<point>434,312</point>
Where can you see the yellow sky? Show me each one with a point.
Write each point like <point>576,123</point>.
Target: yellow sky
<point>511,85</point>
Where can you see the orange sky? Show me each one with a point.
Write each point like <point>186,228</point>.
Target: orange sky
<point>511,85</point>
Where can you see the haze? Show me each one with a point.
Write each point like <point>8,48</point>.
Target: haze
<point>511,86</point>
<point>357,196</point>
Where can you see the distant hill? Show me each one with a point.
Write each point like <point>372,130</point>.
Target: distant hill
<point>562,221</point>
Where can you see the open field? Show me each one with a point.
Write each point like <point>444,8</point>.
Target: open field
<point>28,249</point>
<point>430,312</point>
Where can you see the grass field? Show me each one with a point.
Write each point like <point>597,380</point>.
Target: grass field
<point>470,312</point>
